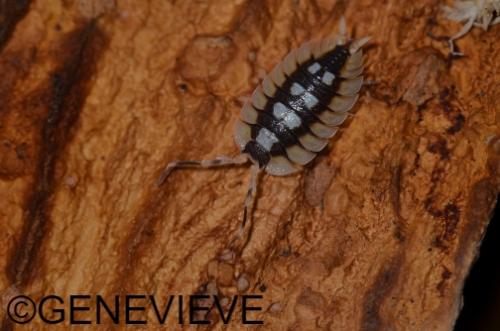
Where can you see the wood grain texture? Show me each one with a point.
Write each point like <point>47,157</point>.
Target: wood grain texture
<point>378,234</point>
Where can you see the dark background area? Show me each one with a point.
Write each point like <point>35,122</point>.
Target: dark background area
<point>481,310</point>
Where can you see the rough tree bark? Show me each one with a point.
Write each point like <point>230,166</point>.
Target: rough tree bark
<point>378,234</point>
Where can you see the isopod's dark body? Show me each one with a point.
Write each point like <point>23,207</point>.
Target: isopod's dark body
<point>300,105</point>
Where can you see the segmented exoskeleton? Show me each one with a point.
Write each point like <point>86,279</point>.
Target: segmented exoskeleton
<point>295,110</point>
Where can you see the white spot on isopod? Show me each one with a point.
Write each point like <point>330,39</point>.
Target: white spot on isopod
<point>297,89</point>
<point>314,68</point>
<point>285,114</point>
<point>328,78</point>
<point>266,139</point>
<point>279,110</point>
<point>310,100</point>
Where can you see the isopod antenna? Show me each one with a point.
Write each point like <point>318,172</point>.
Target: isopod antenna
<point>219,161</point>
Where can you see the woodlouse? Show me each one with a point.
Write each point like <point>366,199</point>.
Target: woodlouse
<point>482,13</point>
<point>294,111</point>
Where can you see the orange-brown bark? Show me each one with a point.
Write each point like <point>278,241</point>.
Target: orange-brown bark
<point>378,233</point>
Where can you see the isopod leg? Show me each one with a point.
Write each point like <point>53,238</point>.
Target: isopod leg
<point>451,41</point>
<point>217,162</point>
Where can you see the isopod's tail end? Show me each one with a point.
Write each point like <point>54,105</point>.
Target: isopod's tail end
<point>357,44</point>
<point>342,37</point>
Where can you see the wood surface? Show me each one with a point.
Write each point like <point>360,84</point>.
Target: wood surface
<point>378,233</point>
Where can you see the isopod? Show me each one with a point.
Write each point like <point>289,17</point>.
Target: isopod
<point>482,13</point>
<point>296,109</point>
